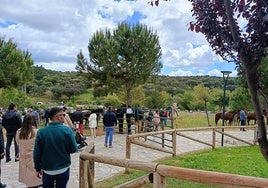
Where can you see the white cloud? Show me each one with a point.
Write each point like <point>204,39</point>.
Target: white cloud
<point>55,31</point>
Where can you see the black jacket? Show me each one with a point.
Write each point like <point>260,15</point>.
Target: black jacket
<point>78,116</point>
<point>109,119</point>
<point>11,121</point>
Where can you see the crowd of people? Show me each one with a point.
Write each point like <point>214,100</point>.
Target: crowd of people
<point>44,153</point>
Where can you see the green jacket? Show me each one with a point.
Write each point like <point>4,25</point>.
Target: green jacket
<point>53,146</point>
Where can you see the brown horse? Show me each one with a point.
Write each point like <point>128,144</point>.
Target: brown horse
<point>228,116</point>
<point>251,116</point>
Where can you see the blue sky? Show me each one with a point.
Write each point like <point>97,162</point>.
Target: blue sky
<point>55,31</point>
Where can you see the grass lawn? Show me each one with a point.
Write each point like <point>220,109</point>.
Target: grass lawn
<point>244,160</point>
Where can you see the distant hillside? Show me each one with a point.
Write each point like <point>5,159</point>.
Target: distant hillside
<point>178,84</point>
<point>48,79</point>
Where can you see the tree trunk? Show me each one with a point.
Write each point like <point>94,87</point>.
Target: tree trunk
<point>251,76</point>
<point>250,67</point>
<point>129,97</point>
<point>206,109</point>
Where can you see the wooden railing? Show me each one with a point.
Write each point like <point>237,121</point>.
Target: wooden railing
<point>161,172</point>
<point>137,138</point>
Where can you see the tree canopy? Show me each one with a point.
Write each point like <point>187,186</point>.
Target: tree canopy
<point>122,59</point>
<point>237,31</point>
<point>16,66</point>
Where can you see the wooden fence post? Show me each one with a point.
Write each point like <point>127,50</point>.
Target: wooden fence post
<point>82,173</point>
<point>86,169</point>
<point>213,138</point>
<point>163,136</point>
<point>159,181</point>
<point>174,142</point>
<point>255,139</point>
<point>128,151</point>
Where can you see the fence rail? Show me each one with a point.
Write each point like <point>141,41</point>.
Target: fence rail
<point>160,172</point>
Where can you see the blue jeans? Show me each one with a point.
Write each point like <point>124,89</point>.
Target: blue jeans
<point>109,130</point>
<point>60,180</point>
<point>10,137</point>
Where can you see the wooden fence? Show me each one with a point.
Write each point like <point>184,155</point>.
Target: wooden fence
<point>161,172</point>
<point>138,138</point>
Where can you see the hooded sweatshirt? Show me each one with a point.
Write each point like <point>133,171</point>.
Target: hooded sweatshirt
<point>11,121</point>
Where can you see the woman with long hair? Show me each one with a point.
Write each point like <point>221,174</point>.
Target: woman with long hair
<point>25,138</point>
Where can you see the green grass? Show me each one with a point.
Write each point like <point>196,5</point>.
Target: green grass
<point>244,160</point>
<point>194,119</point>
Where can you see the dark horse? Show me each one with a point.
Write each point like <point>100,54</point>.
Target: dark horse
<point>228,116</point>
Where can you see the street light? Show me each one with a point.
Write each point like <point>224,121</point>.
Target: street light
<point>225,75</point>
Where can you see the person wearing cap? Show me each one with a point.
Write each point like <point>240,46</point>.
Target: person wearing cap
<point>53,146</point>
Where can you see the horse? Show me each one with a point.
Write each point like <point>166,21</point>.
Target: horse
<point>228,116</point>
<point>251,116</point>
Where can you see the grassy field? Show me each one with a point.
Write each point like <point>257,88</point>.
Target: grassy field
<point>246,160</point>
<point>194,119</point>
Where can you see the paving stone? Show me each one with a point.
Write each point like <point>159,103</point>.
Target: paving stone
<point>102,171</point>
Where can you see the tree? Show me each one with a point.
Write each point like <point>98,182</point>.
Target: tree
<point>202,95</point>
<point>12,95</point>
<point>16,66</point>
<point>239,99</point>
<point>237,31</point>
<point>124,58</point>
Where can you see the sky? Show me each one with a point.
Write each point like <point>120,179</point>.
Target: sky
<point>54,32</point>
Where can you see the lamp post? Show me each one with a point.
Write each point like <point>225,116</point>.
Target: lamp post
<point>225,75</point>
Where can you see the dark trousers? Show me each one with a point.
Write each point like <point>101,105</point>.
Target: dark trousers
<point>10,137</point>
<point>128,125</point>
<point>60,180</point>
<point>46,121</point>
<point>120,124</point>
<point>243,123</point>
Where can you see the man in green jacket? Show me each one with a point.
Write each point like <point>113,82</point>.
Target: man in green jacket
<point>53,146</point>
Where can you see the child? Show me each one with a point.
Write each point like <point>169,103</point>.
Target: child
<point>133,127</point>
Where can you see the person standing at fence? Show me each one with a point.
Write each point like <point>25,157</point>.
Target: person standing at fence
<point>129,115</point>
<point>156,120</point>
<point>78,120</point>
<point>138,116</point>
<point>25,138</point>
<point>53,146</point>
<point>109,120</point>
<point>120,117</point>
<point>92,122</point>
<point>243,119</point>
<point>11,122</point>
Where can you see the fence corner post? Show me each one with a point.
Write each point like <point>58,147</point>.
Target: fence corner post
<point>128,151</point>
<point>159,181</point>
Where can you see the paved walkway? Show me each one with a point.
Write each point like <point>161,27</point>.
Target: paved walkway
<point>102,171</point>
